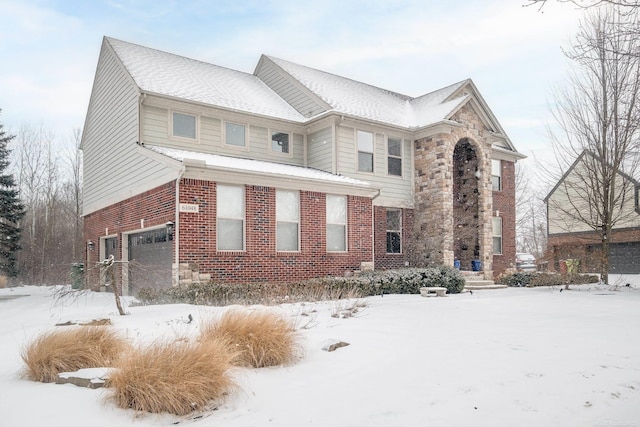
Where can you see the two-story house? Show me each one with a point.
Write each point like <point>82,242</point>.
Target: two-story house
<point>574,209</point>
<point>287,173</point>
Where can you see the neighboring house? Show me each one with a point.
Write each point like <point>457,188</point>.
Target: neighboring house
<point>572,223</point>
<point>287,173</point>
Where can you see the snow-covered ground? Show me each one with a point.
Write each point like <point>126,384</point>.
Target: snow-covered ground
<point>508,357</point>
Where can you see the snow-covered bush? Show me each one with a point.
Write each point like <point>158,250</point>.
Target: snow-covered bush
<point>400,281</point>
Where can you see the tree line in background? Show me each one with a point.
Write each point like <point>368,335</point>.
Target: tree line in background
<point>47,175</point>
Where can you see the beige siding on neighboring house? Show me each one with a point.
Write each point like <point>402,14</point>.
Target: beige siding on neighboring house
<point>320,150</point>
<point>567,204</point>
<point>114,166</point>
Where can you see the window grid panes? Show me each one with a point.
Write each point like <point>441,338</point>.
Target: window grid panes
<point>280,142</point>
<point>336,214</point>
<point>235,134</point>
<point>365,151</point>
<point>394,158</point>
<point>288,220</point>
<point>230,211</point>
<point>184,125</point>
<point>394,231</point>
<point>496,223</point>
<point>496,175</point>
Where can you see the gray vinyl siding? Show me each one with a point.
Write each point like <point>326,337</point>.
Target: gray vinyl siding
<point>320,150</point>
<point>283,86</point>
<point>395,191</point>
<point>114,167</point>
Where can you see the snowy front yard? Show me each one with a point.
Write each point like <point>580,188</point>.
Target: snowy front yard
<point>525,357</point>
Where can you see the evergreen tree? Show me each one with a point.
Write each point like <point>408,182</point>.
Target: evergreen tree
<point>11,210</point>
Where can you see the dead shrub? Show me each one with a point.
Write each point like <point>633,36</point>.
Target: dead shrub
<point>175,377</point>
<point>69,350</point>
<point>262,338</point>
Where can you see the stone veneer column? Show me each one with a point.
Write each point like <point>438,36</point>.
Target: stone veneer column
<point>433,215</point>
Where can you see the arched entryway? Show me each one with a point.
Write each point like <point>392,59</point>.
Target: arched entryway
<point>466,197</point>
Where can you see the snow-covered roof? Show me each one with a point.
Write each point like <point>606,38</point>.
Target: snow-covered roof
<point>259,166</point>
<point>166,74</point>
<point>163,73</point>
<point>359,99</point>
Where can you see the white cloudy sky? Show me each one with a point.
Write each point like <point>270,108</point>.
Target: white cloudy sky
<point>49,48</point>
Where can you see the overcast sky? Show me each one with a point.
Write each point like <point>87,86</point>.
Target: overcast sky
<point>49,49</point>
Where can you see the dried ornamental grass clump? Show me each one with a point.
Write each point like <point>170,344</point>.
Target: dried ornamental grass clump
<point>262,338</point>
<point>175,377</point>
<point>70,350</point>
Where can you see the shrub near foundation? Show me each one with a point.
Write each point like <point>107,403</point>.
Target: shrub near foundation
<point>401,281</point>
<point>174,377</point>
<point>261,338</point>
<point>69,350</point>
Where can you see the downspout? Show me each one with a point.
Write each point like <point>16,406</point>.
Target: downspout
<point>176,229</point>
<point>373,230</point>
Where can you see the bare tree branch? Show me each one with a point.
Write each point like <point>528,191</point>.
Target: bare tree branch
<point>598,121</point>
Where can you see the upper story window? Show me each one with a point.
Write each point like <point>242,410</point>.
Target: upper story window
<point>183,125</point>
<point>496,223</point>
<point>288,220</point>
<point>394,156</point>
<point>365,151</point>
<point>279,142</point>
<point>336,223</point>
<point>394,231</point>
<point>230,213</point>
<point>235,135</point>
<point>496,175</point>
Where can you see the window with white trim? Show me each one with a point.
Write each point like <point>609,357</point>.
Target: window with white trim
<point>287,220</point>
<point>496,175</point>
<point>183,125</point>
<point>280,142</point>
<point>365,151</point>
<point>496,223</point>
<point>394,231</point>
<point>235,134</point>
<point>230,212</point>
<point>336,223</point>
<point>394,156</point>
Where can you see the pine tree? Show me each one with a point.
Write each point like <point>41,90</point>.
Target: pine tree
<point>11,211</point>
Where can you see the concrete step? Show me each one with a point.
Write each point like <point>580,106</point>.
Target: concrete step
<point>479,284</point>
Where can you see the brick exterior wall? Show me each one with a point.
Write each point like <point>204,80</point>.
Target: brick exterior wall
<point>504,201</point>
<point>585,247</point>
<point>260,262</point>
<point>156,207</point>
<point>382,258</point>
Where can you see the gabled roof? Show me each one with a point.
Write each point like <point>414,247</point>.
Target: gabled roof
<point>354,98</point>
<point>628,170</point>
<point>175,76</point>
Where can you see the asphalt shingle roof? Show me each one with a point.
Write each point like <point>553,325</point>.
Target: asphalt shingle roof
<point>163,73</point>
<point>167,74</point>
